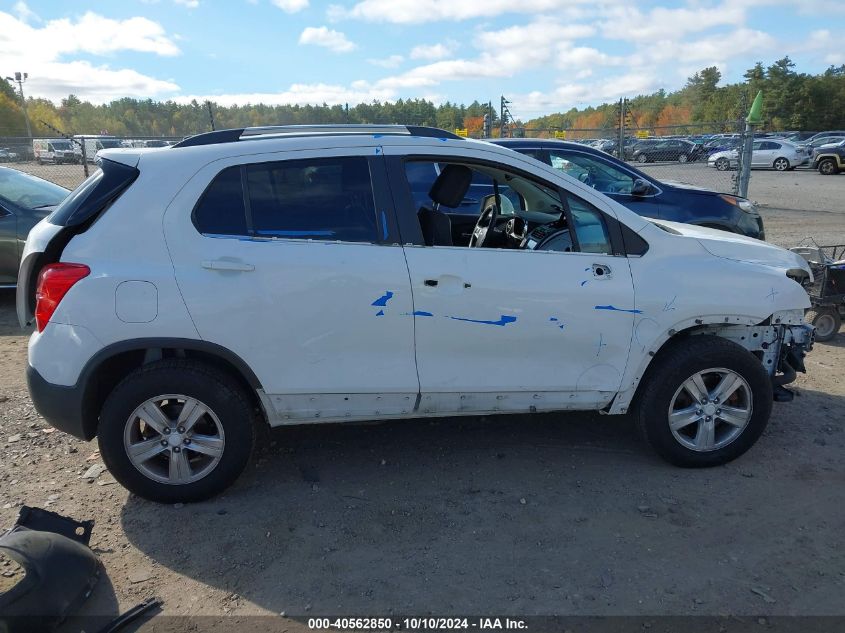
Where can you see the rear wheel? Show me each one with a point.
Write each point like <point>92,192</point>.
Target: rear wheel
<point>704,403</point>
<point>683,158</point>
<point>642,158</point>
<point>828,167</point>
<point>723,164</point>
<point>781,164</point>
<point>176,431</point>
<point>826,320</point>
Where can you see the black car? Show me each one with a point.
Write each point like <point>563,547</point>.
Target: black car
<point>24,201</point>
<point>674,149</point>
<point>642,193</point>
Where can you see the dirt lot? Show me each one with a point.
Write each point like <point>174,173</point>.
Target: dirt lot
<point>547,514</point>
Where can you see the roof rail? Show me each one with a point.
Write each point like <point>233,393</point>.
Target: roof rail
<point>249,133</point>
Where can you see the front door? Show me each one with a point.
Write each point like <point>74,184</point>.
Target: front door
<point>292,262</point>
<point>509,329</point>
<point>9,255</point>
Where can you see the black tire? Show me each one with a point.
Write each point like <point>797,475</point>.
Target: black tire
<point>723,164</point>
<point>676,363</point>
<point>781,164</point>
<point>826,319</point>
<point>828,167</point>
<point>220,393</point>
<point>642,158</point>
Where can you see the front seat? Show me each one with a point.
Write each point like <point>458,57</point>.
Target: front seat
<point>448,190</point>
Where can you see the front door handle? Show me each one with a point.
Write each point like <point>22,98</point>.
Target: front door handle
<point>602,271</point>
<point>228,264</point>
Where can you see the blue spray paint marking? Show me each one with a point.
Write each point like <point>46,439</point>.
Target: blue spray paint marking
<point>671,305</point>
<point>611,307</point>
<point>601,344</point>
<point>382,300</point>
<point>772,294</point>
<point>377,135</point>
<point>421,313</point>
<point>380,313</point>
<point>378,151</point>
<point>583,283</point>
<point>384,224</point>
<point>552,318</point>
<point>297,233</point>
<point>503,321</point>
<point>586,270</point>
<point>443,140</point>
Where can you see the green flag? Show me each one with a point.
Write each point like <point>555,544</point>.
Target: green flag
<point>756,113</point>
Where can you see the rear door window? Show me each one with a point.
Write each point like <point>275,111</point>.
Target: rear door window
<point>221,209</point>
<point>329,199</point>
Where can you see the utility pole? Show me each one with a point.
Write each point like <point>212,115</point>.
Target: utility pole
<point>20,78</point>
<point>753,119</point>
<point>505,116</point>
<point>210,114</point>
<point>620,146</point>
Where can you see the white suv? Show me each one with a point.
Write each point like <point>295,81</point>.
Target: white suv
<point>185,296</point>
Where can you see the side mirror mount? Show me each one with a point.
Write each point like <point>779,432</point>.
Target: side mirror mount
<point>640,188</point>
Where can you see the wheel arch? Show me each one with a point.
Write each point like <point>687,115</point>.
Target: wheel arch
<point>106,369</point>
<point>640,364</point>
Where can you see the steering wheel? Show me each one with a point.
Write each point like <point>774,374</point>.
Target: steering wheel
<point>484,226</point>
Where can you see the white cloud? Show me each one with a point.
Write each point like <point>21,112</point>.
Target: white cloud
<point>191,4</point>
<point>566,95</point>
<point>302,94</point>
<point>626,22</point>
<point>420,11</point>
<point>291,6</point>
<point>327,38</point>
<point>433,51</point>
<point>393,61</point>
<point>24,13</point>
<point>40,51</point>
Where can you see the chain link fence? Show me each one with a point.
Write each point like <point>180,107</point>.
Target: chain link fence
<point>66,162</point>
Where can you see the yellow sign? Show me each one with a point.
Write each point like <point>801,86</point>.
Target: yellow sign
<point>461,132</point>
<point>642,134</point>
<point>559,134</point>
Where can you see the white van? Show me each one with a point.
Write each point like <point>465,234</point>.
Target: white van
<point>53,150</point>
<point>93,144</point>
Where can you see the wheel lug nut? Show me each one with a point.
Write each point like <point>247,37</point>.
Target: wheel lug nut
<point>167,430</point>
<point>698,412</point>
<point>718,412</point>
<point>176,449</point>
<point>707,419</point>
<point>186,441</point>
<point>704,401</point>
<point>181,429</point>
<point>164,442</point>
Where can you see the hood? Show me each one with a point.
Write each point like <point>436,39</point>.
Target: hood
<point>729,153</point>
<point>739,247</point>
<point>687,187</point>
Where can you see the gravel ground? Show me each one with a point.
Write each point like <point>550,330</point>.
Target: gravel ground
<point>546,514</point>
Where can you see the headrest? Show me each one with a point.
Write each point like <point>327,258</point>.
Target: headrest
<point>451,185</point>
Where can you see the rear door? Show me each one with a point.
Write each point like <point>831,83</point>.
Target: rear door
<point>8,245</point>
<point>292,261</point>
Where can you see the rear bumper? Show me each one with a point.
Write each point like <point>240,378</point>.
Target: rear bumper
<point>61,406</point>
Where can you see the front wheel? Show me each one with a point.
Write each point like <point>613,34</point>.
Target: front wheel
<point>642,158</point>
<point>828,167</point>
<point>704,402</point>
<point>723,164</point>
<point>826,320</point>
<point>176,431</point>
<point>683,158</point>
<point>781,164</point>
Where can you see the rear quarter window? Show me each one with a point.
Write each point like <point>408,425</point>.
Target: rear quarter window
<point>95,194</point>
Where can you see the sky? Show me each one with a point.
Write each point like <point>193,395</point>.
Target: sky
<point>543,55</point>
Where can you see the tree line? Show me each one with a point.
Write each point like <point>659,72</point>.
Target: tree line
<point>792,101</point>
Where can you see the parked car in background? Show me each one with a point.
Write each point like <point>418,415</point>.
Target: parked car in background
<point>819,141</point>
<point>776,154</point>
<point>829,159</point>
<point>8,156</point>
<point>279,276</point>
<point>821,135</point>
<point>642,193</point>
<point>94,144</point>
<point>54,150</point>
<point>24,201</point>
<point>671,149</point>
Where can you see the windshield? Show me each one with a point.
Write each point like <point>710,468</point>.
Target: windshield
<point>28,191</point>
<point>108,143</point>
<point>61,145</point>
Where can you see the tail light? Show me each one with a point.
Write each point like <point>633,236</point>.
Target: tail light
<point>53,283</point>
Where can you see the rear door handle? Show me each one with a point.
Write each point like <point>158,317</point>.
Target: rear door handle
<point>227,264</point>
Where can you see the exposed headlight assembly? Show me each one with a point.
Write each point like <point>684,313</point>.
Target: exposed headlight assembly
<point>742,203</point>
